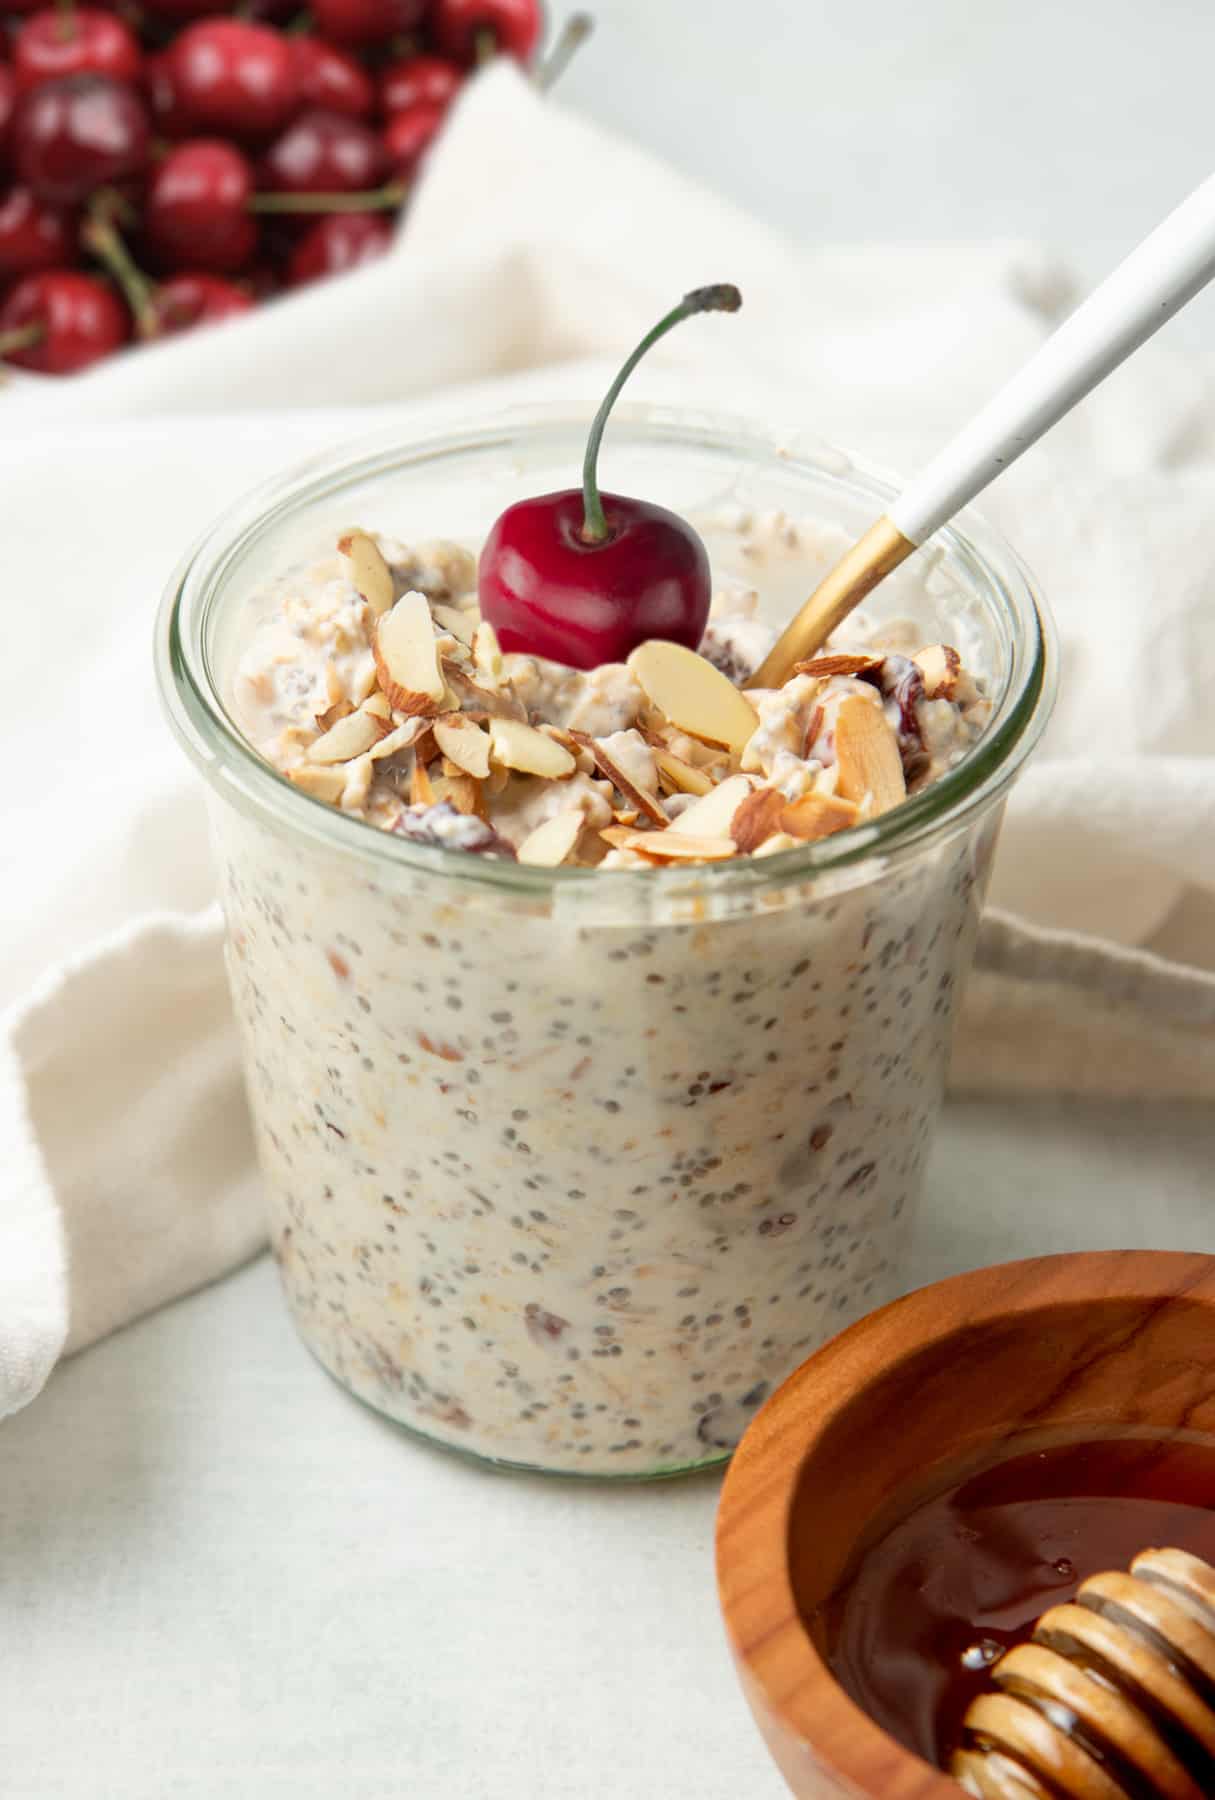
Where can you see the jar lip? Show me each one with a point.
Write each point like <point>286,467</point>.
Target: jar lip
<point>227,759</point>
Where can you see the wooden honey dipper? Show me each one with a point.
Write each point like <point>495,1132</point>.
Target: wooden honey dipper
<point>1112,1699</point>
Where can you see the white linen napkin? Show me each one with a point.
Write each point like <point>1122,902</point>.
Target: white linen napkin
<point>535,243</point>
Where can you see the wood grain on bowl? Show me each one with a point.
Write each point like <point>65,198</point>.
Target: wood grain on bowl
<point>1108,1340</point>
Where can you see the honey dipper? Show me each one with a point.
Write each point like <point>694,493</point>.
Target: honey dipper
<point>1112,1699</point>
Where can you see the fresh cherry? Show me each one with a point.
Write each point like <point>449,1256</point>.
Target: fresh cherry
<point>582,577</point>
<point>179,10</point>
<point>234,78</point>
<point>197,209</point>
<point>471,30</point>
<point>336,242</point>
<point>79,41</point>
<point>33,236</point>
<point>78,133</point>
<point>409,135</point>
<point>171,118</point>
<point>367,21</point>
<point>197,299</point>
<point>418,81</point>
<point>329,78</point>
<point>8,102</point>
<point>324,153</point>
<point>60,321</point>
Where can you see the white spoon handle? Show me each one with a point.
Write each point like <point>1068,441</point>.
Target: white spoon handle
<point>1168,268</point>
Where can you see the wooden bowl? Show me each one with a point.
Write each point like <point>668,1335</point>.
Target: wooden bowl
<point>1105,1340</point>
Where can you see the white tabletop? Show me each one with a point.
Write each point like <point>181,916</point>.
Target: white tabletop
<point>218,1574</point>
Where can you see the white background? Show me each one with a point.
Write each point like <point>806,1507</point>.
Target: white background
<point>218,1576</point>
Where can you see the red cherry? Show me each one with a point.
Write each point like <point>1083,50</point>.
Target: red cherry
<point>60,321</point>
<point>329,78</point>
<point>197,208</point>
<point>32,236</point>
<point>8,102</point>
<point>418,81</point>
<point>583,577</point>
<point>463,27</point>
<point>336,242</point>
<point>408,136</point>
<point>170,117</point>
<point>324,153</point>
<point>179,10</point>
<point>197,299</point>
<point>78,42</point>
<point>367,21</point>
<point>78,133</point>
<point>233,77</point>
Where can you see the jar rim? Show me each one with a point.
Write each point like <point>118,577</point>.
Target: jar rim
<point>214,742</point>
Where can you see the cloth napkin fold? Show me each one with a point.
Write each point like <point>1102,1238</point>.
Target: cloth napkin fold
<point>538,246</point>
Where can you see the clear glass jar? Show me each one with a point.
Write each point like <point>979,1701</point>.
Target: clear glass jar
<point>566,1168</point>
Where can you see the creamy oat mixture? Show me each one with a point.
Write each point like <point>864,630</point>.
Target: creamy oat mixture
<point>570,1178</point>
<point>374,685</point>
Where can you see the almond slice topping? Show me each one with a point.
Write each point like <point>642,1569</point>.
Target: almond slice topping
<point>401,737</point>
<point>678,776</point>
<point>549,844</point>
<point>756,819</point>
<point>406,659</point>
<point>421,789</point>
<point>692,694</point>
<point>817,816</point>
<point>867,755</point>
<point>940,665</point>
<point>518,746</point>
<point>839,665</point>
<point>463,792</point>
<point>463,743</point>
<point>341,709</point>
<point>487,652</point>
<point>378,706</point>
<point>461,625</point>
<point>672,846</point>
<point>611,771</point>
<point>323,783</point>
<point>712,815</point>
<point>368,570</point>
<point>350,737</point>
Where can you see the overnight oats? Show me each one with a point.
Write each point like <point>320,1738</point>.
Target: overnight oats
<point>596,1017</point>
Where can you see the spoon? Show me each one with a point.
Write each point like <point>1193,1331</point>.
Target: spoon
<point>1166,270</point>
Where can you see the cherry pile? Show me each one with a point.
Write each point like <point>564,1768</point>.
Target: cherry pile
<point>164,165</point>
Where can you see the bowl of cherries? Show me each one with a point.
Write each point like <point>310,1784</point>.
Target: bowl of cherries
<point>166,164</point>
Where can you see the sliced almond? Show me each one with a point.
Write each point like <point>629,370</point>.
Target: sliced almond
<point>692,694</point>
<point>340,709</point>
<point>359,775</point>
<point>464,743</point>
<point>618,835</point>
<point>406,659</point>
<point>817,816</point>
<point>679,777</point>
<point>350,737</point>
<point>673,846</point>
<point>940,665</point>
<point>327,784</point>
<point>611,771</point>
<point>712,815</point>
<point>421,788</point>
<point>626,815</point>
<point>839,665</point>
<point>379,706</point>
<point>475,698</point>
<point>461,790</point>
<point>401,737</point>
<point>515,745</point>
<point>487,653</point>
<point>867,756</point>
<point>498,779</point>
<point>756,818</point>
<point>461,625</point>
<point>549,844</point>
<point>814,724</point>
<point>368,570</point>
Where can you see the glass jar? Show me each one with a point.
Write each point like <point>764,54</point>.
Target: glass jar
<point>568,1168</point>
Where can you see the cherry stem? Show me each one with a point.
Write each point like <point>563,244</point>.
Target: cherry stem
<point>22,337</point>
<point>578,27</point>
<point>370,200</point>
<point>99,236</point>
<point>719,298</point>
<point>485,45</point>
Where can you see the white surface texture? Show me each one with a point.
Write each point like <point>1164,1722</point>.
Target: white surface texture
<point>218,1575</point>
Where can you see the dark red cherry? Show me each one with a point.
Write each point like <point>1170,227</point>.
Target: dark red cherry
<point>75,41</point>
<point>197,208</point>
<point>582,577</point>
<point>418,81</point>
<point>468,30</point>
<point>408,136</point>
<point>78,133</point>
<point>170,118</point>
<point>323,153</point>
<point>234,78</point>
<point>197,298</point>
<point>336,242</point>
<point>60,321</point>
<point>332,79</point>
<point>33,235</point>
<point>359,22</point>
<point>8,102</point>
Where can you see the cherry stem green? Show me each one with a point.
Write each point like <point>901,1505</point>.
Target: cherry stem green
<point>99,236</point>
<point>719,298</point>
<point>22,337</point>
<point>370,200</point>
<point>577,28</point>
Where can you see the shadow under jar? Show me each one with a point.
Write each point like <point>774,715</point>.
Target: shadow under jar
<point>569,1168</point>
